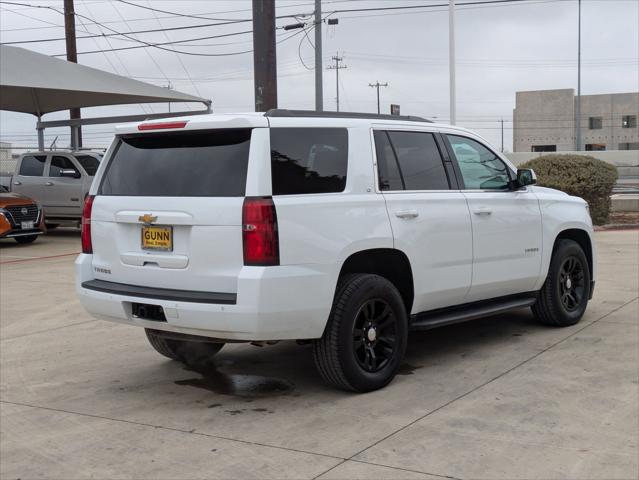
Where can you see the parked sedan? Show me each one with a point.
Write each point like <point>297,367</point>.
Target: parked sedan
<point>20,217</point>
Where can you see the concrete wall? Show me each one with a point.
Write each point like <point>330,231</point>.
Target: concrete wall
<point>629,158</point>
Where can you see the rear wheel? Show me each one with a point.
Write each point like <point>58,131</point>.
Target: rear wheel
<point>26,239</point>
<point>365,338</point>
<point>189,352</point>
<point>564,296</point>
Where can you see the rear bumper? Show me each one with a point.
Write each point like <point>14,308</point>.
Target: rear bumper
<point>271,303</point>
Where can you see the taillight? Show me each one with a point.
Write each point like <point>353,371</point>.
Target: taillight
<point>259,232</point>
<point>87,246</point>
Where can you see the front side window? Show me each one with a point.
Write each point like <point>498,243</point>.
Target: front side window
<point>60,163</point>
<point>480,168</point>
<point>32,165</point>
<point>308,160</point>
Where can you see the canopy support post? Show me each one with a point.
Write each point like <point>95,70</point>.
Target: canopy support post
<point>75,137</point>
<point>40,131</point>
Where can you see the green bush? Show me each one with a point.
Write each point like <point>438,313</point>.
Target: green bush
<point>580,175</point>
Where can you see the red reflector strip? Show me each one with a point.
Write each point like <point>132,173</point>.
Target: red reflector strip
<point>161,125</point>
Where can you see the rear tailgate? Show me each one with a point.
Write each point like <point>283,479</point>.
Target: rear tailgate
<point>168,210</point>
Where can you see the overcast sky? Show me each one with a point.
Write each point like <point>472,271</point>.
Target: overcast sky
<point>501,49</point>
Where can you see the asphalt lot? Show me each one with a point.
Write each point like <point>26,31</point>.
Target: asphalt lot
<point>497,398</point>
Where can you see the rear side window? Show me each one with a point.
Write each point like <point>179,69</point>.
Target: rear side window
<point>389,176</point>
<point>60,163</point>
<point>413,157</point>
<point>32,165</point>
<point>308,160</point>
<point>89,163</point>
<point>208,163</point>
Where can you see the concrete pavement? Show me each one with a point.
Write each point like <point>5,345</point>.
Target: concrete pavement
<point>501,397</point>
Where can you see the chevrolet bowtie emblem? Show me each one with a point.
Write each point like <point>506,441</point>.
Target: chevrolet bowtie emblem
<point>147,218</point>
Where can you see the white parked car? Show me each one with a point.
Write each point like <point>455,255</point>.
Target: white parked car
<point>347,230</point>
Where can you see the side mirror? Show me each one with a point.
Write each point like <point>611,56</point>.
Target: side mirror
<point>69,173</point>
<point>526,176</point>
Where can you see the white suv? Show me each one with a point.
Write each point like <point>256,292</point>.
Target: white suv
<point>347,230</point>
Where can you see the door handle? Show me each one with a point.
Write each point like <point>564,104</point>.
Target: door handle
<point>48,184</point>
<point>17,183</point>
<point>482,211</point>
<point>406,214</point>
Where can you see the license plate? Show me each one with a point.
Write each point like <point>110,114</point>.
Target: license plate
<point>157,238</point>
<point>27,225</point>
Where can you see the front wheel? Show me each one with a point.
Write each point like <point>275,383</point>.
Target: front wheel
<point>365,338</point>
<point>563,298</point>
<point>26,239</point>
<point>188,352</point>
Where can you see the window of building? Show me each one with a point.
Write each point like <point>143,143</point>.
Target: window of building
<point>61,163</point>
<point>629,146</point>
<point>629,121</point>
<point>595,123</point>
<point>308,160</point>
<point>32,165</point>
<point>595,147</point>
<point>543,148</point>
<point>481,169</point>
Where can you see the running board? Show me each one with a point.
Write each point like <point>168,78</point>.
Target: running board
<point>469,311</point>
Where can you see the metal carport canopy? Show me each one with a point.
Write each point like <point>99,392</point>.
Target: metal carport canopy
<point>34,83</point>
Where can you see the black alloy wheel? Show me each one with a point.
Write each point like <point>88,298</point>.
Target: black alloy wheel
<point>572,286</point>
<point>374,335</point>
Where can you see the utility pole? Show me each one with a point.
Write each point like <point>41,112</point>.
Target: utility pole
<point>169,87</point>
<point>337,67</point>
<point>578,106</point>
<point>319,71</point>
<point>72,56</point>
<point>451,60</point>
<point>502,135</point>
<point>377,85</point>
<point>264,57</point>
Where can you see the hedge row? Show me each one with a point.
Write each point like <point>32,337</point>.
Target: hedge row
<point>580,175</point>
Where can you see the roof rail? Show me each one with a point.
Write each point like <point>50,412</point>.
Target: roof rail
<point>276,112</point>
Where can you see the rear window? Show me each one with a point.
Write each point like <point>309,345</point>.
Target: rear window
<point>89,163</point>
<point>308,160</point>
<point>208,163</point>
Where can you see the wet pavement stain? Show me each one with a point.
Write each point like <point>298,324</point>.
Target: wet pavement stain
<point>239,385</point>
<point>214,405</point>
<point>407,369</point>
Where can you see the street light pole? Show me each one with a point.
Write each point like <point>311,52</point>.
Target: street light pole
<point>319,87</point>
<point>578,106</point>
<point>451,60</point>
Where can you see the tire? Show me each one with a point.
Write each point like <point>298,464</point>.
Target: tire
<point>26,239</point>
<point>188,352</point>
<point>363,302</point>
<point>563,298</point>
